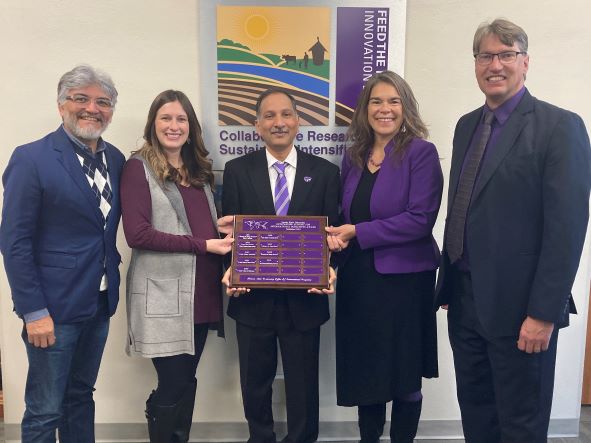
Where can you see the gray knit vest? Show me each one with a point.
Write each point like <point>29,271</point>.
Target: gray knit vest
<point>161,285</point>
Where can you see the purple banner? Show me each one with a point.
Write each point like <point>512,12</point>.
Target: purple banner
<point>362,50</point>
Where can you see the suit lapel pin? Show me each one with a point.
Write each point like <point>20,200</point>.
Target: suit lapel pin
<point>307,179</point>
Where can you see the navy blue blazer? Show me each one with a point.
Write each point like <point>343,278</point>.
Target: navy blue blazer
<point>52,237</point>
<point>528,216</point>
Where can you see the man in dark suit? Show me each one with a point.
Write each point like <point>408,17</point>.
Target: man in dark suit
<point>264,316</point>
<point>517,217</point>
<point>59,225</point>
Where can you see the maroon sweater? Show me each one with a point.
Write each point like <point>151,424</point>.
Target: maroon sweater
<point>136,211</point>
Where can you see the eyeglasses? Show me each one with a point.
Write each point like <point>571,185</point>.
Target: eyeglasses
<point>82,100</point>
<point>505,57</point>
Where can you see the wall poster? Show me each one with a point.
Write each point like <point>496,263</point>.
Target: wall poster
<point>320,51</point>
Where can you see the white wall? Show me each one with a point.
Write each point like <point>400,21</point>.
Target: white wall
<point>149,45</point>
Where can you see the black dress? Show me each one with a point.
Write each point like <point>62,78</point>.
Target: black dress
<point>386,333</point>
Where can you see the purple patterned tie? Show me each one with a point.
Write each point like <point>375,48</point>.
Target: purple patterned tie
<point>456,224</point>
<point>281,191</point>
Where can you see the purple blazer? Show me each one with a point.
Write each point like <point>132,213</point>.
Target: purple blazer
<point>404,204</point>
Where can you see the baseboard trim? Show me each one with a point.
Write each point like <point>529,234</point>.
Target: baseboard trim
<point>329,431</point>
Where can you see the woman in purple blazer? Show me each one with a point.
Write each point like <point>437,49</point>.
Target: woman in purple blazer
<point>385,322</point>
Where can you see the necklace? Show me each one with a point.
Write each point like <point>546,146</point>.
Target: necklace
<point>372,162</point>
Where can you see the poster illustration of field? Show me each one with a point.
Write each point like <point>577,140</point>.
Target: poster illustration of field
<point>259,47</point>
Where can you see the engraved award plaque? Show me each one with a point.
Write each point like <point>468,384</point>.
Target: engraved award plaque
<point>279,252</point>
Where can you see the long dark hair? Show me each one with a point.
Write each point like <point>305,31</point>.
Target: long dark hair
<point>361,133</point>
<point>196,166</point>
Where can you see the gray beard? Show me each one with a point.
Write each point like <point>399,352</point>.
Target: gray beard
<point>71,122</point>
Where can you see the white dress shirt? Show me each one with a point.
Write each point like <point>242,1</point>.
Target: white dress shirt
<point>290,170</point>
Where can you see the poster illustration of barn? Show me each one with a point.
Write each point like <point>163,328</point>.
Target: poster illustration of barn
<point>261,47</point>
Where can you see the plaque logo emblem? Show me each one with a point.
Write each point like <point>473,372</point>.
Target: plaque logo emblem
<point>256,224</point>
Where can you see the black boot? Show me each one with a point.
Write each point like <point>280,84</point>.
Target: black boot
<point>171,424</point>
<point>184,414</point>
<point>161,421</point>
<point>405,420</point>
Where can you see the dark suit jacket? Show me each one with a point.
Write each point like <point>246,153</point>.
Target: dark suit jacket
<point>52,237</point>
<point>247,190</point>
<point>528,216</point>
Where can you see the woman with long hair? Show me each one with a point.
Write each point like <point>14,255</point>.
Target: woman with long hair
<point>173,284</point>
<point>387,257</point>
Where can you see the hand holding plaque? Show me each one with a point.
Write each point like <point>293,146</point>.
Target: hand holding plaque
<point>332,278</point>
<point>280,252</point>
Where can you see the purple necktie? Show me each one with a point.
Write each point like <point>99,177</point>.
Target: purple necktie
<point>456,224</point>
<point>281,191</point>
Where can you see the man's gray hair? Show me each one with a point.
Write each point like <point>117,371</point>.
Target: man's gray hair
<point>81,77</point>
<point>507,32</point>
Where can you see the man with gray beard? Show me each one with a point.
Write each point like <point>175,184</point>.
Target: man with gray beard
<point>59,224</point>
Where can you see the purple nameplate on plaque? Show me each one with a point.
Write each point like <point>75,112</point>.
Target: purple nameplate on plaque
<point>280,252</point>
<point>290,262</point>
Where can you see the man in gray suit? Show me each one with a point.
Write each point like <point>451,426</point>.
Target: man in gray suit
<point>517,215</point>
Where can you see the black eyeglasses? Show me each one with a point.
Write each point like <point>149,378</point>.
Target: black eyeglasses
<point>82,100</point>
<point>505,57</point>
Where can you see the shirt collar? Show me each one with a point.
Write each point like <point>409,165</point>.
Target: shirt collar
<point>291,159</point>
<point>100,146</point>
<point>503,112</point>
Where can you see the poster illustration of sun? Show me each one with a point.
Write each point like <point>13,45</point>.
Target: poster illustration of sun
<point>261,47</point>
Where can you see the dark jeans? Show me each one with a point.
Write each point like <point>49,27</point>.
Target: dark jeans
<point>61,379</point>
